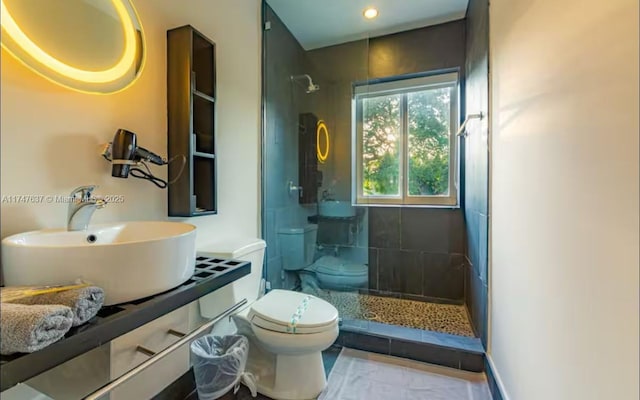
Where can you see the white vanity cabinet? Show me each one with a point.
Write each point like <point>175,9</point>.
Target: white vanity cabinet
<point>132,351</point>
<point>86,373</point>
<point>155,336</point>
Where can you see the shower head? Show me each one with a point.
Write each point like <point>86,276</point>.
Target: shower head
<point>310,87</point>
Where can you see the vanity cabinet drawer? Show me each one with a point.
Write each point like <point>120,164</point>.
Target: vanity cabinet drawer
<point>153,336</point>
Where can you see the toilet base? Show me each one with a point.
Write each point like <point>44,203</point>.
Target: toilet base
<point>297,377</point>
<point>284,377</point>
<point>333,273</point>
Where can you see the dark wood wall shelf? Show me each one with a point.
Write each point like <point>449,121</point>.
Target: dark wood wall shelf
<point>308,175</point>
<point>191,94</point>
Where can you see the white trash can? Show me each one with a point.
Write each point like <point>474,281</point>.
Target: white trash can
<point>218,364</point>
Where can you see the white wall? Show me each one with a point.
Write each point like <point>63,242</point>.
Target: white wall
<point>51,136</point>
<point>564,272</point>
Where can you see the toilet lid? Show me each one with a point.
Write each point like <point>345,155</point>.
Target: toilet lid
<point>329,265</point>
<point>293,312</point>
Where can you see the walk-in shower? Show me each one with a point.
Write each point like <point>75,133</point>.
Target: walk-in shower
<point>376,262</point>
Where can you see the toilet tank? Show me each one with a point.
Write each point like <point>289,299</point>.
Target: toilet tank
<point>297,246</point>
<point>248,287</point>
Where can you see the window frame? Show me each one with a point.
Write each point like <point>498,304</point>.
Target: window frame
<point>405,85</point>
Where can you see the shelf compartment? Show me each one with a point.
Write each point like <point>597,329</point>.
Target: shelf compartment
<point>204,155</point>
<point>204,96</point>
<point>203,125</point>
<point>204,65</point>
<point>203,174</point>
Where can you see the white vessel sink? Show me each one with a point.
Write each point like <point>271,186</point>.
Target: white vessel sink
<point>129,260</point>
<point>336,209</point>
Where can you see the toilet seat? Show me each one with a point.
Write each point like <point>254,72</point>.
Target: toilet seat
<point>292,312</point>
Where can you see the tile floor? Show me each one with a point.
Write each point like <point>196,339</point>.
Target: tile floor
<point>331,355</point>
<point>329,358</point>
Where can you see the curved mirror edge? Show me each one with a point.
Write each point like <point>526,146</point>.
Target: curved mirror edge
<point>118,84</point>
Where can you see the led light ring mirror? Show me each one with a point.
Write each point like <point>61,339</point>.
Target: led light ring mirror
<point>99,81</point>
<point>322,127</point>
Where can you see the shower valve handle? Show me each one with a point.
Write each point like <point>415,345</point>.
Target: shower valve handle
<point>293,188</point>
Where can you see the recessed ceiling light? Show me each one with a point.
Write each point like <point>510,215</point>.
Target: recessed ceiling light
<point>370,13</point>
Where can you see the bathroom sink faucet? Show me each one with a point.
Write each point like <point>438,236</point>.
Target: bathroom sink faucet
<point>327,195</point>
<point>81,207</point>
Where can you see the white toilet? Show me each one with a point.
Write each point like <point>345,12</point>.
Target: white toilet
<point>298,245</point>
<point>287,330</point>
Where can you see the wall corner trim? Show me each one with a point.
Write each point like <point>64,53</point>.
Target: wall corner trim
<point>494,377</point>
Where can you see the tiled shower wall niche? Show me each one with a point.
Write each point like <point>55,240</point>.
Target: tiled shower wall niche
<point>417,252</point>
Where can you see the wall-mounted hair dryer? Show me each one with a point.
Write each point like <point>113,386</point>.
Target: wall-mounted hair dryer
<point>126,152</point>
<point>125,156</point>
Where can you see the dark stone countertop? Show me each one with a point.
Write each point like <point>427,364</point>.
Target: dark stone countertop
<point>113,321</point>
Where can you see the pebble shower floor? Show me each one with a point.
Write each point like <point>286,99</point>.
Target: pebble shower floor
<point>445,318</point>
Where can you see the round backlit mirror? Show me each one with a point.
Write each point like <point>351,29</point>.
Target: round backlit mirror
<point>94,46</point>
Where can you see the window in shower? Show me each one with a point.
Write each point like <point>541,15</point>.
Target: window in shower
<point>404,141</point>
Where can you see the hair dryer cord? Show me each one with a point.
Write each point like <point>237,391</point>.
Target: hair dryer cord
<point>148,175</point>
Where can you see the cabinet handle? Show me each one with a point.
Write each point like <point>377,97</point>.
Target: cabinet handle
<point>145,351</point>
<point>159,356</point>
<point>151,353</point>
<point>176,333</point>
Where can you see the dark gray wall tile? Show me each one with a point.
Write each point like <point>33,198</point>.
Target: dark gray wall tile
<point>484,316</point>
<point>436,230</point>
<point>425,229</point>
<point>443,275</point>
<point>373,268</point>
<point>427,49</point>
<point>483,248</point>
<point>398,271</point>
<point>384,227</point>
<point>472,219</point>
<point>467,285</point>
<point>456,231</point>
<point>476,164</point>
<point>478,307</point>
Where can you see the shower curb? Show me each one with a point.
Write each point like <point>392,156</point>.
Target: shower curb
<point>443,349</point>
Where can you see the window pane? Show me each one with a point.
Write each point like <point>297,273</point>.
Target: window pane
<point>381,122</point>
<point>429,117</point>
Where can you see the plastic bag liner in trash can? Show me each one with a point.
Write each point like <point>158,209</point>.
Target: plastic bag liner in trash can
<point>218,365</point>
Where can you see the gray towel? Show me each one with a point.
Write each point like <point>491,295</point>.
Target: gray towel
<point>84,302</point>
<point>25,329</point>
